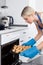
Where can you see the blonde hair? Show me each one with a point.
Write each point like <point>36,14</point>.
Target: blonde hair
<point>27,11</point>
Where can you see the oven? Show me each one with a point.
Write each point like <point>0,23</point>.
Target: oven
<point>8,40</point>
<point>7,56</point>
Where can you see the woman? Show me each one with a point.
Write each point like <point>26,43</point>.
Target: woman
<point>31,16</point>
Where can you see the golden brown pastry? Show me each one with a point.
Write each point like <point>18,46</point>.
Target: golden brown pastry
<point>18,48</point>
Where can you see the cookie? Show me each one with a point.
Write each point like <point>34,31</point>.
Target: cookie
<point>18,48</point>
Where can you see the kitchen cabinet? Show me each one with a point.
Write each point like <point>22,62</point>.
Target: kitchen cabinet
<point>28,33</point>
<point>10,34</point>
<point>9,37</point>
<point>21,34</point>
<point>24,36</point>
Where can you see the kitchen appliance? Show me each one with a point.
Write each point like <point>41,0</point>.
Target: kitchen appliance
<point>11,20</point>
<point>3,22</point>
<point>7,21</point>
<point>8,57</point>
<point>7,41</point>
<point>2,27</point>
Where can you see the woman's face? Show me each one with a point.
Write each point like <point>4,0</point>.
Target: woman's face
<point>28,19</point>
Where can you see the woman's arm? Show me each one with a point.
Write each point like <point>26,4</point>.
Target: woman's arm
<point>39,33</point>
<point>40,46</point>
<point>40,24</point>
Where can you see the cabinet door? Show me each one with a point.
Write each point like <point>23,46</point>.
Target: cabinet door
<point>24,36</point>
<point>28,33</point>
<point>5,38</point>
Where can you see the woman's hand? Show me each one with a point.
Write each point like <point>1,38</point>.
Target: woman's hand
<point>30,53</point>
<point>29,43</point>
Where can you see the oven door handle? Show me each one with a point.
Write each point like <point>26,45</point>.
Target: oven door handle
<point>19,61</point>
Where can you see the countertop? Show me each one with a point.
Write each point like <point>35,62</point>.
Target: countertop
<point>11,29</point>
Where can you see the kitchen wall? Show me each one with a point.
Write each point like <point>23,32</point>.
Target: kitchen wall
<point>14,8</point>
<point>2,2</point>
<point>32,3</point>
<point>37,5</point>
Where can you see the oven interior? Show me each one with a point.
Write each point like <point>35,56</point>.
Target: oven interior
<point>7,56</point>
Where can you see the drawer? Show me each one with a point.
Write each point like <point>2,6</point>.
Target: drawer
<point>5,38</point>
<point>23,40</point>
<point>24,35</point>
<point>24,32</point>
